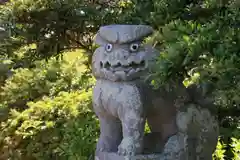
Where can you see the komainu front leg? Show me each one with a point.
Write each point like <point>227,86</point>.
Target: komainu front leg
<point>111,134</point>
<point>133,131</point>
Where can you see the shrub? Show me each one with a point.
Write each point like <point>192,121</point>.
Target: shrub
<point>50,111</point>
<point>63,127</point>
<point>236,148</point>
<point>46,79</point>
<point>219,152</point>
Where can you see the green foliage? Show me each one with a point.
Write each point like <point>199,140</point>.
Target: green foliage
<point>5,66</point>
<point>52,25</point>
<point>51,116</point>
<point>236,148</point>
<point>46,79</point>
<point>206,52</point>
<point>55,128</point>
<point>219,152</point>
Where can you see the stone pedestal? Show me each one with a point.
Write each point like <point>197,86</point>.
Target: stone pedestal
<point>114,156</point>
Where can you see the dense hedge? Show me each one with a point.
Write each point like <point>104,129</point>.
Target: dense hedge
<point>62,127</point>
<point>45,79</point>
<point>50,111</point>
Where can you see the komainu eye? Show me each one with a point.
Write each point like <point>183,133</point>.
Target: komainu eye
<point>134,47</point>
<point>109,47</point>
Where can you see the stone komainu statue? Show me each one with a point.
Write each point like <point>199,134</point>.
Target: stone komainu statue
<point>123,102</point>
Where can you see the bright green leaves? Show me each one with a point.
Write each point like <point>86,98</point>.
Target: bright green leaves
<point>62,125</point>
<point>46,79</point>
<point>219,152</point>
<point>52,114</point>
<point>236,148</point>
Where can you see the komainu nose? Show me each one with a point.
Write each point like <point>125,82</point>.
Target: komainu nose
<point>119,57</point>
<point>122,54</point>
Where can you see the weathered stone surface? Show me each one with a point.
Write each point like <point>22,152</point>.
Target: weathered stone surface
<point>114,156</point>
<point>200,129</point>
<point>123,33</point>
<point>182,127</point>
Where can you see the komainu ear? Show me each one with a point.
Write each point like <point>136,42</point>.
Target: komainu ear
<point>99,40</point>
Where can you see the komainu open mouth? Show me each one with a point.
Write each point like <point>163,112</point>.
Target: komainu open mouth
<point>124,67</point>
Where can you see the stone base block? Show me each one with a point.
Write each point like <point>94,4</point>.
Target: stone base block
<point>114,156</point>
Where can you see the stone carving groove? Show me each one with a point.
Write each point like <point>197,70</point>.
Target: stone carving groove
<point>123,103</point>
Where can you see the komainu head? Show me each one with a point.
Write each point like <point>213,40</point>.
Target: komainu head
<point>121,56</point>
